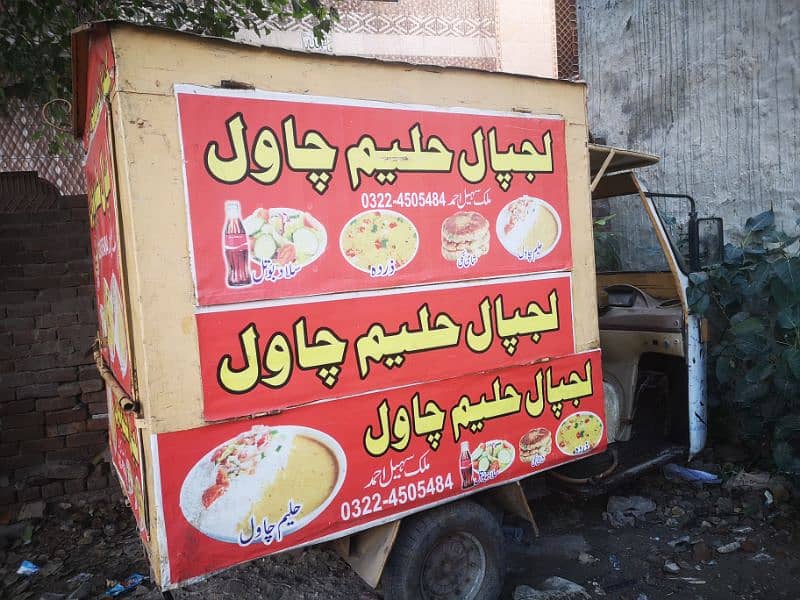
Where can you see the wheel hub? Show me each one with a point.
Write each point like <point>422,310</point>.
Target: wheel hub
<point>454,568</point>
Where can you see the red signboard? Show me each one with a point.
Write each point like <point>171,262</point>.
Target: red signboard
<point>257,359</point>
<point>124,438</point>
<point>291,195</point>
<point>236,491</point>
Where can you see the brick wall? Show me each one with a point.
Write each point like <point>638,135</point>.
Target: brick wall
<point>52,402</point>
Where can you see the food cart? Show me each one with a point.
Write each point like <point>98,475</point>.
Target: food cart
<point>332,292</point>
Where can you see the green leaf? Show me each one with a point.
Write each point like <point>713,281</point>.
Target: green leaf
<point>789,317</point>
<point>792,358</point>
<point>747,326</point>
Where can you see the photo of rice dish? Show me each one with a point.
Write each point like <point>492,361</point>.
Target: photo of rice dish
<point>535,445</point>
<point>528,226</point>
<point>491,458</point>
<point>284,236</point>
<point>579,433</point>
<point>377,238</point>
<point>117,326</point>
<point>465,232</point>
<point>257,475</point>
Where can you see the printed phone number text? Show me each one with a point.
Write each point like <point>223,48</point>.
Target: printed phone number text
<point>402,199</point>
<point>397,496</point>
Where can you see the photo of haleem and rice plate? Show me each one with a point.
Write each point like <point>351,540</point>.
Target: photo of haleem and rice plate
<point>284,236</point>
<point>112,326</point>
<point>258,475</point>
<point>579,433</point>
<point>528,227</point>
<point>374,238</point>
<point>465,232</point>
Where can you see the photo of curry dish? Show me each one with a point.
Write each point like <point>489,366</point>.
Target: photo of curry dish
<point>258,476</point>
<point>528,226</point>
<point>579,433</point>
<point>378,238</point>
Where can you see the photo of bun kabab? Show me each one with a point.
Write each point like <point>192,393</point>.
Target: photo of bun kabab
<point>465,232</point>
<point>536,443</point>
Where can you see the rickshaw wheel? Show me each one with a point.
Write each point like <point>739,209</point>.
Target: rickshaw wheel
<point>453,552</point>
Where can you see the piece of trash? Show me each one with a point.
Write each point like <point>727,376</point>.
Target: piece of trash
<point>761,557</point>
<point>679,541</point>
<point>642,596</point>
<point>671,567</point>
<point>748,481</point>
<point>27,568</point>
<point>126,585</point>
<point>79,578</point>
<point>770,499</point>
<point>586,559</point>
<point>728,548</point>
<point>742,530</point>
<point>675,472</point>
<point>614,560</point>
<point>624,511</point>
<point>552,587</point>
<point>690,580</point>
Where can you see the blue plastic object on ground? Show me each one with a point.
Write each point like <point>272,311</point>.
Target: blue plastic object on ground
<point>673,471</point>
<point>27,568</point>
<point>126,585</point>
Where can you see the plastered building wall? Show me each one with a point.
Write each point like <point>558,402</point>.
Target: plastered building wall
<point>513,36</point>
<point>711,87</point>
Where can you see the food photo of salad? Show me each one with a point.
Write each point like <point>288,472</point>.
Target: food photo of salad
<point>284,236</point>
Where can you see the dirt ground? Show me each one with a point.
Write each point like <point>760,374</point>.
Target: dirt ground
<point>673,551</point>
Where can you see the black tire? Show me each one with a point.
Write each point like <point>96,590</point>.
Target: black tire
<point>425,562</point>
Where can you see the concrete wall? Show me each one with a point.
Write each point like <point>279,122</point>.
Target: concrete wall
<point>513,36</point>
<point>711,86</point>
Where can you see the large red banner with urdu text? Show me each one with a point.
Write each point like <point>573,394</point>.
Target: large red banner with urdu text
<point>254,360</point>
<point>292,195</point>
<point>235,491</point>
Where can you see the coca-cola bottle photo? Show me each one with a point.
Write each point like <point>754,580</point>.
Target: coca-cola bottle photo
<point>465,465</point>
<point>235,245</point>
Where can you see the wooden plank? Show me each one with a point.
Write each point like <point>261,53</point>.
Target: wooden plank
<point>369,550</point>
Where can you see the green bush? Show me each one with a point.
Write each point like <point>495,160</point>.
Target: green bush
<point>752,302</point>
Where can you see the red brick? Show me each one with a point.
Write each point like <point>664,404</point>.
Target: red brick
<point>54,320</point>
<point>91,385</point>
<point>80,453</point>
<point>21,433</point>
<point>97,483</point>
<point>87,372</point>
<point>94,397</point>
<point>97,424</point>
<point>23,420</point>
<point>43,445</point>
<point>28,309</point>
<point>50,347</point>
<point>36,363</point>
<point>70,389</point>
<point>65,428</point>
<point>7,298</point>
<point>37,390</point>
<point>53,404</point>
<point>66,416</point>
<point>7,496</point>
<point>15,408</point>
<point>66,469</point>
<point>9,449</point>
<point>52,489</point>
<point>56,294</point>
<point>11,463</point>
<point>73,486</point>
<point>57,375</point>
<point>86,439</point>
<point>17,324</point>
<point>98,408</point>
<point>28,493</point>
<point>22,338</point>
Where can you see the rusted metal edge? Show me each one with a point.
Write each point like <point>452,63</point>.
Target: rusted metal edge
<point>122,398</point>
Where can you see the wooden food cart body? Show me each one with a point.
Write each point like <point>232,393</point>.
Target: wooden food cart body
<point>129,83</point>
